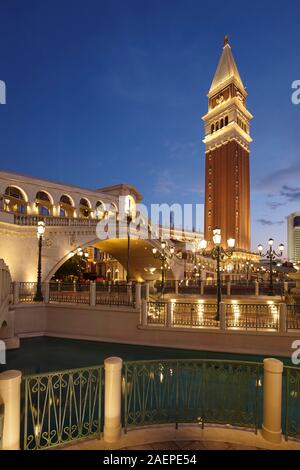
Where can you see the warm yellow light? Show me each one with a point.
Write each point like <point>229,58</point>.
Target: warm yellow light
<point>217,239</point>
<point>41,228</point>
<point>231,242</point>
<point>203,244</point>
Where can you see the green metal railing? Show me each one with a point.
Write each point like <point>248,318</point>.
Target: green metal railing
<point>192,391</point>
<point>60,407</point>
<point>291,402</point>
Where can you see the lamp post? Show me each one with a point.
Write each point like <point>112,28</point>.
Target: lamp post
<point>163,256</point>
<point>271,255</point>
<point>218,253</point>
<point>248,269</point>
<point>128,221</point>
<point>40,232</point>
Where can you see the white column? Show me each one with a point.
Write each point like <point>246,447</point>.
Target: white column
<point>47,292</point>
<point>282,318</point>
<point>144,320</point>
<point>228,288</point>
<point>286,287</point>
<point>271,428</point>
<point>74,286</point>
<point>138,295</point>
<point>147,294</point>
<point>202,287</point>
<point>92,294</point>
<point>256,288</point>
<point>112,403</point>
<point>16,292</point>
<point>10,386</point>
<point>176,287</point>
<point>222,316</point>
<point>169,315</point>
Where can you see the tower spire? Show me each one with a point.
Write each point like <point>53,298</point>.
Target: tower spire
<point>227,71</point>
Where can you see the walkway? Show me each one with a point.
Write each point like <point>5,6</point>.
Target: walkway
<point>186,438</point>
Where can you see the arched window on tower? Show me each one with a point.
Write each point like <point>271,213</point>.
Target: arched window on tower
<point>226,121</point>
<point>217,126</point>
<point>212,128</point>
<point>221,123</point>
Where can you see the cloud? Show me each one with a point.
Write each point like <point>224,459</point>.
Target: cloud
<point>290,194</point>
<point>182,150</point>
<point>274,205</point>
<point>267,222</point>
<point>279,178</point>
<point>165,183</point>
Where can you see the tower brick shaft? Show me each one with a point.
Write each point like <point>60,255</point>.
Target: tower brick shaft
<point>227,140</point>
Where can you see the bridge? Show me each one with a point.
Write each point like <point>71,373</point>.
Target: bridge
<point>71,215</point>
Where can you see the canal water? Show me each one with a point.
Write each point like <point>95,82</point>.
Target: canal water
<point>38,355</point>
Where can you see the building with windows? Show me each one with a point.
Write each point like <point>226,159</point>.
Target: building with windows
<point>293,223</point>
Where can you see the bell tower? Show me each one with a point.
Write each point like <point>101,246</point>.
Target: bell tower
<point>227,140</point>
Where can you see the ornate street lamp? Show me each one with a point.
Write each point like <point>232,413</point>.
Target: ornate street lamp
<point>218,253</point>
<point>271,255</point>
<point>40,232</point>
<point>164,255</point>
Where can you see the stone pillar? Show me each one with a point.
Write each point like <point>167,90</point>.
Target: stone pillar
<point>16,292</point>
<point>92,294</point>
<point>47,292</point>
<point>112,399</point>
<point>228,288</point>
<point>256,288</point>
<point>144,320</point>
<point>271,428</point>
<point>286,287</point>
<point>147,292</point>
<point>282,318</point>
<point>176,287</point>
<point>169,315</point>
<point>129,291</point>
<point>222,316</point>
<point>74,285</point>
<point>202,287</point>
<point>138,295</point>
<point>10,387</point>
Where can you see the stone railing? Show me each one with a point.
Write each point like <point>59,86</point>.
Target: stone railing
<point>32,220</point>
<point>266,316</point>
<point>90,293</point>
<point>236,287</point>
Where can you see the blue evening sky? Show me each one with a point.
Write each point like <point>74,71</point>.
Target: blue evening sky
<point>107,91</point>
